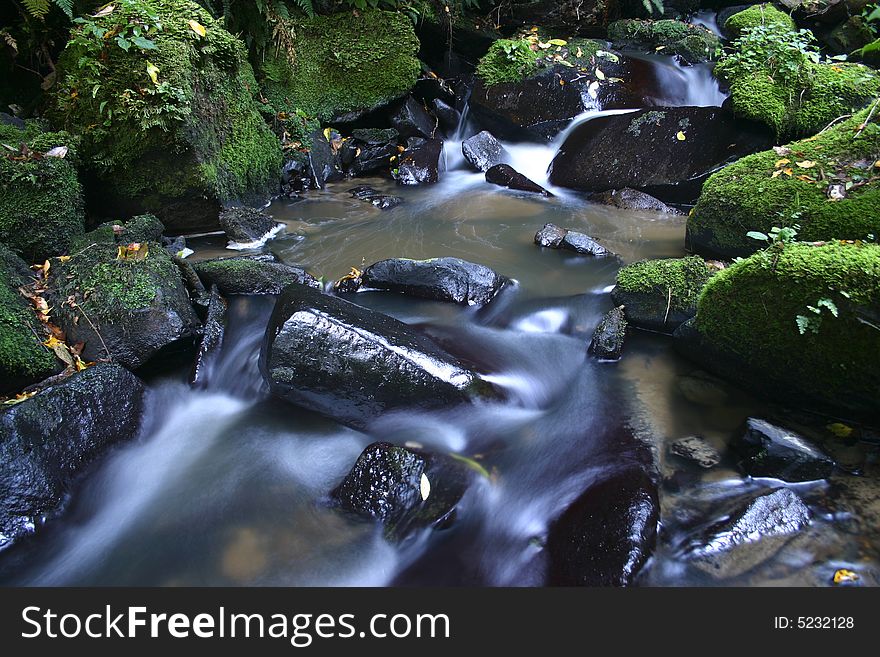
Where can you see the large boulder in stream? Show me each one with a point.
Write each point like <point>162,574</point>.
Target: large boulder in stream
<point>125,304</point>
<point>405,489</point>
<point>798,323</point>
<point>352,364</point>
<point>186,136</point>
<point>607,534</point>
<point>440,279</point>
<point>667,152</point>
<point>252,275</point>
<point>483,151</point>
<point>522,93</point>
<point>49,439</point>
<point>419,164</point>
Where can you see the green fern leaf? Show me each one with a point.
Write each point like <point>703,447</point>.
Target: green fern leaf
<point>37,8</point>
<point>66,6</point>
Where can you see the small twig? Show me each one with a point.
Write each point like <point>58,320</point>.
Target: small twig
<point>95,329</point>
<point>868,119</point>
<point>839,118</point>
<point>668,304</point>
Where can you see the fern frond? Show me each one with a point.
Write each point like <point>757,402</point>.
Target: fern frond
<point>66,6</point>
<point>37,8</point>
<point>307,7</point>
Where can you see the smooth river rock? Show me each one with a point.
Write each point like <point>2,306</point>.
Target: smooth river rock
<point>252,275</point>
<point>767,450</point>
<point>505,175</point>
<point>483,151</point>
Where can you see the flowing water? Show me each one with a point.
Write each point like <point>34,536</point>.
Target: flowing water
<point>226,486</point>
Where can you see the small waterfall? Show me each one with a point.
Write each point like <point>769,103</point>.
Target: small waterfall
<point>708,19</point>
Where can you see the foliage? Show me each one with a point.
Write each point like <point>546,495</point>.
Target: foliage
<point>512,60</point>
<point>39,8</point>
<point>771,49</point>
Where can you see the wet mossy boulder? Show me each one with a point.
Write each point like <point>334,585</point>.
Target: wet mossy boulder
<point>126,306</point>
<point>609,336</point>
<point>763,14</point>
<point>41,199</point>
<point>797,322</point>
<point>659,295</point>
<point>345,64</point>
<point>762,190</point>
<point>252,275</point>
<point>405,489</point>
<point>23,358</point>
<point>799,96</point>
<point>166,106</point>
<point>353,364</point>
<point>48,440</point>
<point>693,43</point>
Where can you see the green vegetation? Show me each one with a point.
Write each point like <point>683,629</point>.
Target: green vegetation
<point>751,311</point>
<point>693,43</point>
<point>164,99</point>
<point>755,16</point>
<point>678,279</point>
<point>829,185</point>
<point>513,60</point>
<point>777,77</point>
<point>341,63</point>
<point>41,206</point>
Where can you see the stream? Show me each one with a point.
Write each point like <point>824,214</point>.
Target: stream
<point>228,487</point>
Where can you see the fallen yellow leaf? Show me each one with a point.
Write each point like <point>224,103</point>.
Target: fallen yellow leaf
<point>839,429</point>
<point>198,28</point>
<point>781,162</point>
<point>680,136</point>
<point>844,576</point>
<point>600,74</point>
<point>806,164</point>
<point>153,72</point>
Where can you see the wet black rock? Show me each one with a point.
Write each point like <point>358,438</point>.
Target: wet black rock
<point>696,450</point>
<point>420,163</point>
<point>441,279</point>
<point>252,275</point>
<point>767,450</point>
<point>483,151</point>
<point>632,199</point>
<point>606,535</point>
<point>374,196</point>
<point>608,338</point>
<point>750,535</point>
<point>448,116</point>
<point>49,439</point>
<point>405,489</point>
<point>324,160</point>
<point>412,120</point>
<point>375,136</point>
<point>550,236</point>
<point>506,176</point>
<point>245,224</point>
<point>352,363</point>
<point>667,152</point>
<point>212,339</point>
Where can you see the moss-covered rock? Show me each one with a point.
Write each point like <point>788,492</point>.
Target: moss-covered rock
<point>693,43</point>
<point>41,205</point>
<point>168,115</point>
<point>659,295</point>
<point>513,60</point>
<point>343,65</point>
<point>23,358</point>
<point>125,309</point>
<point>763,14</point>
<point>764,190</point>
<point>252,275</point>
<point>750,325</point>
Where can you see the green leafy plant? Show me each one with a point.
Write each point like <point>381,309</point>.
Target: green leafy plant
<point>777,236</point>
<point>813,321</point>
<point>652,6</point>
<point>772,49</point>
<point>871,17</point>
<point>40,8</point>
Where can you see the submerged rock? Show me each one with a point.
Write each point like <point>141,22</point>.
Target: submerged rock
<point>667,152</point>
<point>405,489</point>
<point>607,342</point>
<point>252,275</point>
<point>49,439</point>
<point>246,224</point>
<point>750,535</point>
<point>128,308</point>
<point>375,197</point>
<point>659,295</point>
<point>483,151</point>
<point>506,176</point>
<point>554,237</point>
<point>440,279</point>
<point>606,535</point>
<point>420,163</point>
<point>767,450</point>
<point>352,364</point>
<point>550,236</point>
<point>212,339</point>
<point>23,357</point>
<point>632,199</point>
<point>696,450</point>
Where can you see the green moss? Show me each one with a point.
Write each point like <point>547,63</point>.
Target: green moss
<point>23,359</point>
<point>870,54</point>
<point>196,129</point>
<point>108,288</point>
<point>745,196</point>
<point>678,279</point>
<point>694,43</point>
<point>749,310</point>
<point>513,60</point>
<point>347,62</point>
<point>764,14</point>
<point>41,205</point>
